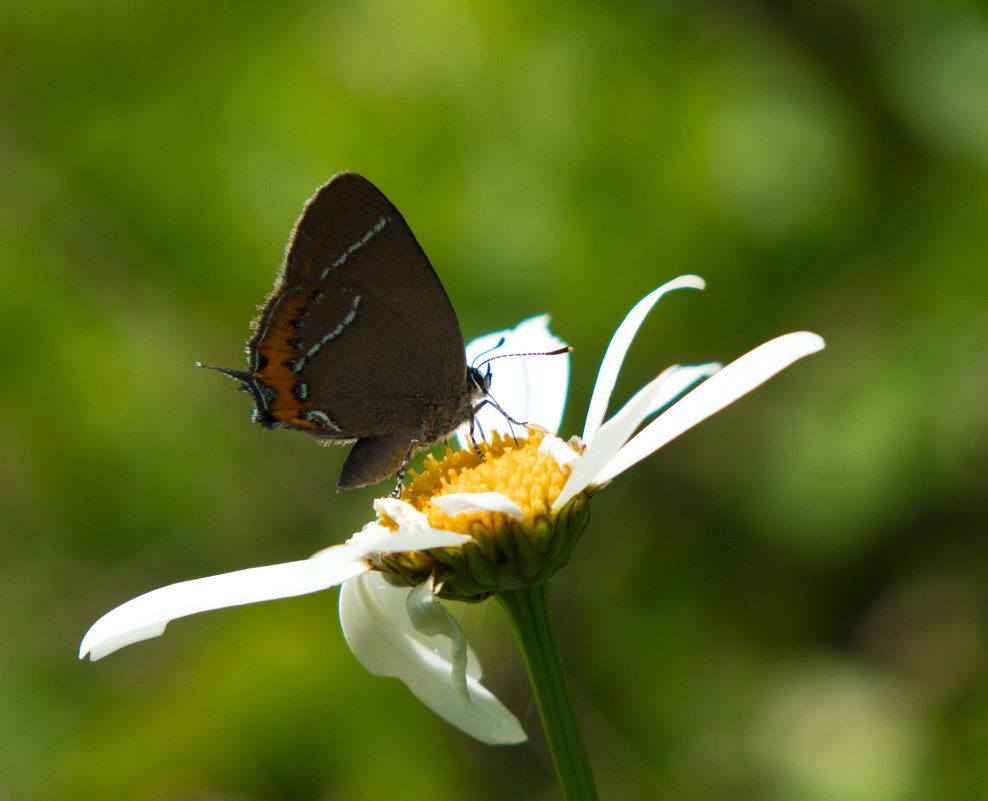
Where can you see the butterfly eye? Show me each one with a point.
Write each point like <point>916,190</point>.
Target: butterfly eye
<point>481,381</point>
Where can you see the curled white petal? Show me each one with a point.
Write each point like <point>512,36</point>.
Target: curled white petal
<point>735,380</point>
<point>529,388</point>
<point>402,512</point>
<point>560,450</point>
<point>378,630</point>
<point>611,436</point>
<point>375,539</point>
<point>429,616</point>
<point>147,615</point>
<point>618,348</point>
<point>458,503</point>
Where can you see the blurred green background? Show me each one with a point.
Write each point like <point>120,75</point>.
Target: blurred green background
<point>788,603</point>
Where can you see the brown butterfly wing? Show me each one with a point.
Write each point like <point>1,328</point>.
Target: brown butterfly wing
<point>358,339</point>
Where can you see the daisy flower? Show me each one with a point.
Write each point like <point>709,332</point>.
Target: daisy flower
<point>498,520</point>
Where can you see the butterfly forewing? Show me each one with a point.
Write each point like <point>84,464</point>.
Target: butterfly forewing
<point>358,337</point>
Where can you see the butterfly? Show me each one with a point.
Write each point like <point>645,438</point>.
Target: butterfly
<point>358,340</point>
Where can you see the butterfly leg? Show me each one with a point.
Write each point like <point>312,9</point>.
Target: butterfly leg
<point>511,421</point>
<point>400,483</point>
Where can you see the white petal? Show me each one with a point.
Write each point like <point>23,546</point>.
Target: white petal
<point>560,450</point>
<point>402,512</point>
<point>458,503</point>
<point>618,348</point>
<point>147,615</point>
<point>675,381</point>
<point>375,539</point>
<point>386,605</point>
<point>735,380</point>
<point>379,632</point>
<point>529,388</point>
<point>611,436</point>
<point>430,617</point>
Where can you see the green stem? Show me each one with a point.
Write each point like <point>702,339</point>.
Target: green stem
<point>528,613</point>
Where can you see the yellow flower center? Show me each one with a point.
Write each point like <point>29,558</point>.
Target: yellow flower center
<point>517,470</point>
<point>507,551</point>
